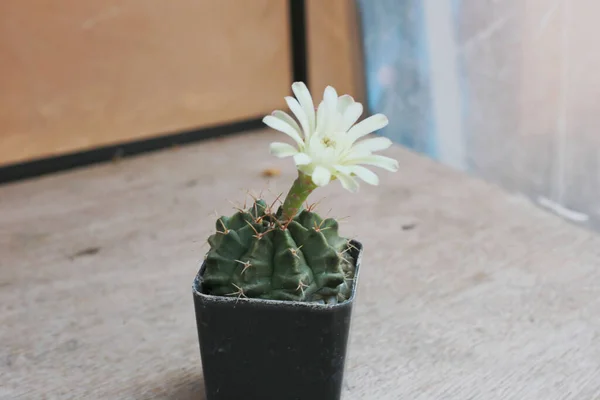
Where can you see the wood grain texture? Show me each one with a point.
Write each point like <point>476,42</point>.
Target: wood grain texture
<point>481,295</point>
<point>80,74</point>
<point>334,47</point>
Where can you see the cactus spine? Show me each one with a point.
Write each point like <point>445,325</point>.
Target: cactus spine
<point>279,255</point>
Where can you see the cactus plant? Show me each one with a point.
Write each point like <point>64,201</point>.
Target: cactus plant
<point>256,253</point>
<point>292,253</point>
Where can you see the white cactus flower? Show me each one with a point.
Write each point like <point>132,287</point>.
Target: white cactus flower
<point>326,143</point>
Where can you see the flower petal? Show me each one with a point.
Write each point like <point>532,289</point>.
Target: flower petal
<point>303,95</point>
<point>366,126</point>
<point>366,175</point>
<point>302,159</point>
<point>376,160</point>
<point>299,113</point>
<point>348,182</point>
<point>330,98</point>
<point>343,169</point>
<point>285,117</point>
<point>283,127</point>
<point>321,176</point>
<point>282,150</point>
<point>351,115</point>
<point>321,117</point>
<point>344,102</point>
<point>372,145</point>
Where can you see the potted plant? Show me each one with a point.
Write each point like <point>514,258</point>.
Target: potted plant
<point>274,294</point>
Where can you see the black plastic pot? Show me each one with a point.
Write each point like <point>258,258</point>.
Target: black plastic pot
<point>254,349</point>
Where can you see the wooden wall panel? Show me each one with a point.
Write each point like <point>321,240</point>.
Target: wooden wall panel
<point>334,47</point>
<point>77,74</point>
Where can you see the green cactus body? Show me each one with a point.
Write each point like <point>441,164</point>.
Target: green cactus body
<point>256,253</point>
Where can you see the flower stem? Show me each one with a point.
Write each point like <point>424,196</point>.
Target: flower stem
<point>301,189</point>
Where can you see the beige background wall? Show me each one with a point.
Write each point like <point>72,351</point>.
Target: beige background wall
<point>77,74</point>
<point>334,47</point>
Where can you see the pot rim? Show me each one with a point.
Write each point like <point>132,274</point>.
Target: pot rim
<point>284,303</point>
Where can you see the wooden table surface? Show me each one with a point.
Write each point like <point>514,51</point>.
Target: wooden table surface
<point>466,292</point>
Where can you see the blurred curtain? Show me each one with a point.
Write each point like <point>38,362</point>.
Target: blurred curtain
<point>505,89</point>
